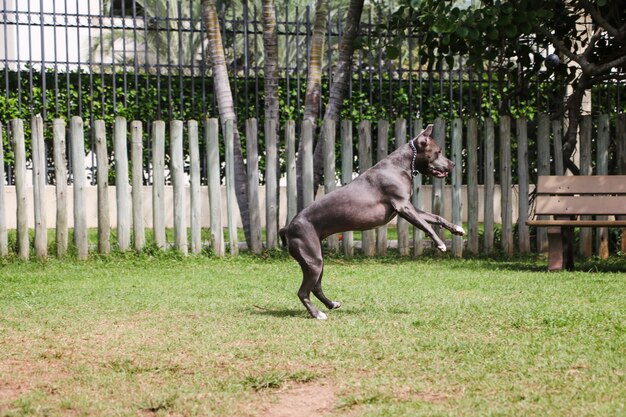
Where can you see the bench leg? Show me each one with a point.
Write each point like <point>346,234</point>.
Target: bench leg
<point>568,243</point>
<point>555,248</point>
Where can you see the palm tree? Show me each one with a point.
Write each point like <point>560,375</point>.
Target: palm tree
<point>225,105</point>
<point>341,81</point>
<point>270,46</point>
<point>314,82</point>
<point>314,78</point>
<point>164,31</point>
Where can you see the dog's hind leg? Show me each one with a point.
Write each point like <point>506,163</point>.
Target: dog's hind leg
<point>307,250</point>
<point>317,290</point>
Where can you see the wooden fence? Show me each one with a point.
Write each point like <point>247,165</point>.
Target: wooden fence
<point>486,152</point>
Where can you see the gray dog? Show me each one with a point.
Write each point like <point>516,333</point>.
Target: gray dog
<point>370,200</point>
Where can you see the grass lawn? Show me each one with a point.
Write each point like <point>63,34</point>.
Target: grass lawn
<point>132,335</point>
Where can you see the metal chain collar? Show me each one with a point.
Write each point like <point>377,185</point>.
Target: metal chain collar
<point>414,171</point>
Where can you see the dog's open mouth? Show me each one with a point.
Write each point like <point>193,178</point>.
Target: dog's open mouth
<point>438,173</point>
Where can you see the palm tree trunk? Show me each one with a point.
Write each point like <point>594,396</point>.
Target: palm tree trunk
<point>341,82</point>
<point>226,108</point>
<point>270,45</point>
<point>314,82</point>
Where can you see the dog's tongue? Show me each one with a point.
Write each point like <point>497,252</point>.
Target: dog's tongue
<point>440,174</point>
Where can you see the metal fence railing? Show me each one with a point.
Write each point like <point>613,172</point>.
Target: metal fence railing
<point>79,57</point>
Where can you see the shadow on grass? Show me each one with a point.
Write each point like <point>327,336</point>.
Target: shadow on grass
<point>279,313</point>
<point>594,265</point>
<point>302,313</point>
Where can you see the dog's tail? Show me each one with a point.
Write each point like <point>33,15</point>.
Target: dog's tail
<point>283,238</point>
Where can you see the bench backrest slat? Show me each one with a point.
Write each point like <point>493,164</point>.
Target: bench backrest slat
<point>594,184</point>
<point>580,205</point>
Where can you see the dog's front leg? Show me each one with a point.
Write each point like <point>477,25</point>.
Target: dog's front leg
<point>417,219</point>
<point>440,221</point>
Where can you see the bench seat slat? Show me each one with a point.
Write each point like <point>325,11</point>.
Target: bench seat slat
<point>593,184</point>
<point>580,205</point>
<point>578,223</point>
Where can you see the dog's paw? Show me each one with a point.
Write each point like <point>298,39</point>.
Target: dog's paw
<point>442,247</point>
<point>458,230</point>
<point>321,316</point>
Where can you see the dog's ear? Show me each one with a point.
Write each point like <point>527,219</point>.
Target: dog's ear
<point>428,131</point>
<point>422,138</point>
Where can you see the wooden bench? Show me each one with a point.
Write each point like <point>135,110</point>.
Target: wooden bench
<point>568,198</point>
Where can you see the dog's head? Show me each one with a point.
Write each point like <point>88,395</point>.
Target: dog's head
<point>429,159</point>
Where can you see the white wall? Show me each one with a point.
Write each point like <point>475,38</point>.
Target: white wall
<point>33,41</point>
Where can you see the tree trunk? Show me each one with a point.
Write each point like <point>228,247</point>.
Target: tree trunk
<point>573,106</point>
<point>270,45</point>
<point>314,83</point>
<point>226,108</point>
<point>340,82</point>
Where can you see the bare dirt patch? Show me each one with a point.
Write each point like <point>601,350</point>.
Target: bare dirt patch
<point>17,377</point>
<point>311,399</point>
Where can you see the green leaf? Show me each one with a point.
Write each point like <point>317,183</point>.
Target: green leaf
<point>511,31</point>
<point>392,52</point>
<point>462,31</point>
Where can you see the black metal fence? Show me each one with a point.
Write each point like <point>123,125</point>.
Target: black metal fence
<point>70,57</point>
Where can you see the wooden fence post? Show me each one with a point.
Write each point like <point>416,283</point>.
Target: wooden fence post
<point>158,183</point>
<point>80,185</point>
<point>195,214</point>
<point>102,162</point>
<point>505,184</point>
<point>381,153</point>
<point>307,163</point>
<point>347,160</point>
<point>60,179</point>
<point>472,186</point>
<point>271,181</point>
<point>211,132</point>
<point>292,188</point>
<point>368,241</point>
<point>19,154</point>
<point>602,168</point>
<point>586,168</point>
<point>489,144</point>
<point>136,153</point>
<point>39,187</point>
<point>438,203</point>
<point>457,180</point>
<point>543,168</point>
<point>178,183</point>
<point>418,199</point>
<point>330,174</point>
<point>523,234</point>
<point>122,187</point>
<point>231,200</point>
<point>402,224</point>
<point>252,148</point>
<point>4,235</point>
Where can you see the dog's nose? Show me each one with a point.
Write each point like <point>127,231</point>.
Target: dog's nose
<point>452,164</point>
